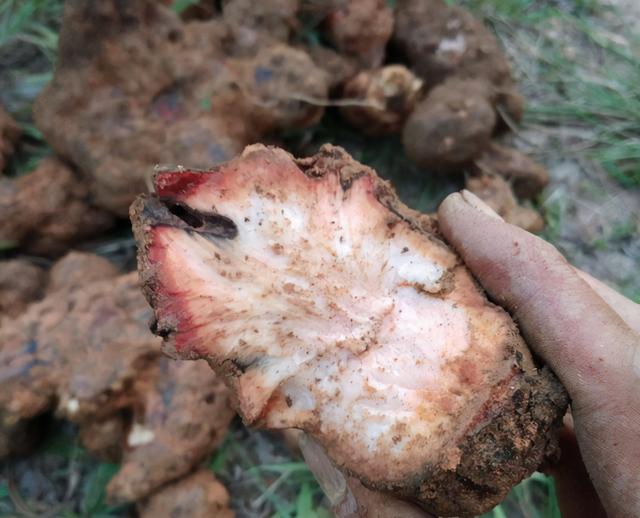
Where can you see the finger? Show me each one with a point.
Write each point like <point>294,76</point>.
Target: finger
<point>572,328</point>
<point>628,310</point>
<point>576,495</point>
<point>347,496</point>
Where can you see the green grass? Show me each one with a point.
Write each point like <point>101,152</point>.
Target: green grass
<point>577,72</point>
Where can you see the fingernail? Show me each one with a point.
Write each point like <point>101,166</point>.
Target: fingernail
<point>478,204</point>
<point>331,481</point>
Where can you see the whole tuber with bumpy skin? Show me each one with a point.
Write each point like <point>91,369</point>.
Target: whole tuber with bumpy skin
<point>442,41</point>
<point>198,495</point>
<point>122,100</point>
<point>451,126</point>
<point>331,307</point>
<point>360,29</point>
<point>21,282</point>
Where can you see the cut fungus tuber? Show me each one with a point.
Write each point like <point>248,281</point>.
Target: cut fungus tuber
<point>331,307</point>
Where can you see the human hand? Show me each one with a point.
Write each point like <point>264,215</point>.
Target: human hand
<point>589,335</point>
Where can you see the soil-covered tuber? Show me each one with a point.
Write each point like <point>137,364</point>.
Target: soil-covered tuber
<point>49,209</point>
<point>451,126</point>
<point>330,306</point>
<point>527,177</point>
<point>442,41</point>
<point>496,192</point>
<point>21,282</point>
<point>361,29</point>
<point>136,86</point>
<point>85,352</point>
<point>198,495</point>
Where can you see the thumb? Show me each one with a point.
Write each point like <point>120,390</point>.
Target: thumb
<point>594,352</point>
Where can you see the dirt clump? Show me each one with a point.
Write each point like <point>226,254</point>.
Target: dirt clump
<point>86,353</point>
<point>361,29</point>
<point>137,86</point>
<point>495,192</point>
<point>526,177</point>
<point>49,209</point>
<point>198,495</point>
<point>493,413</point>
<point>21,282</point>
<point>9,135</point>
<point>256,25</point>
<point>183,416</point>
<point>76,269</point>
<point>388,95</point>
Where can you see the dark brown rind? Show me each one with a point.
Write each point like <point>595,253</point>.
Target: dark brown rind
<point>493,459</point>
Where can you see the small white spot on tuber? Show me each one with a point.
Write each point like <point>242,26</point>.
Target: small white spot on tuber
<point>140,435</point>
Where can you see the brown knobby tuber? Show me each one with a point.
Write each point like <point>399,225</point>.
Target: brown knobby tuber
<point>451,126</point>
<point>442,41</point>
<point>86,353</point>
<point>360,29</point>
<point>48,210</point>
<point>198,495</point>
<point>496,192</point>
<point>136,86</point>
<point>526,177</point>
<point>21,282</point>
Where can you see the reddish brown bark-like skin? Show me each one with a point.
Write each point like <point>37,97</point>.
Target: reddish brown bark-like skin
<point>49,209</point>
<point>85,352</point>
<point>513,409</point>
<point>136,86</point>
